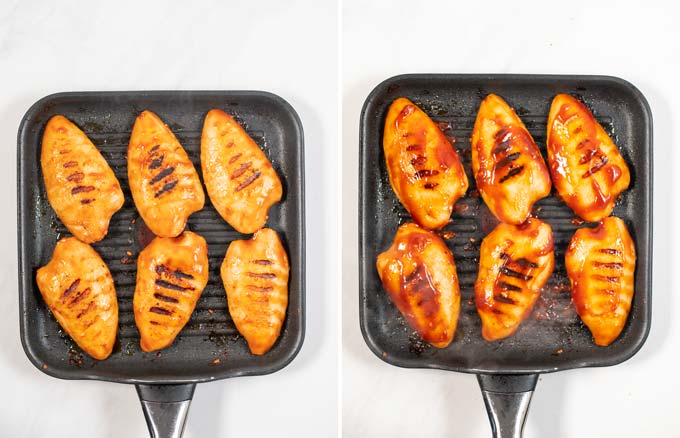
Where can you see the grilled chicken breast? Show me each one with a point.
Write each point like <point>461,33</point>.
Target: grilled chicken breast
<point>510,172</point>
<point>78,288</point>
<point>600,263</point>
<point>586,166</point>
<point>171,275</point>
<point>515,261</point>
<point>255,277</point>
<point>163,181</point>
<point>241,182</point>
<point>81,187</point>
<point>424,168</point>
<point>419,274</point>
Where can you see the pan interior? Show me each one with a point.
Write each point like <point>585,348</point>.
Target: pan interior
<point>553,337</point>
<point>209,347</point>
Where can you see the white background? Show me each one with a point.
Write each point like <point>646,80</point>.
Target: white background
<point>288,48</point>
<point>639,42</point>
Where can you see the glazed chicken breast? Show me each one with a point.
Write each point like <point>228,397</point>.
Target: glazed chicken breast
<point>240,179</point>
<point>419,274</point>
<point>515,262</point>
<point>255,276</point>
<point>424,168</point>
<point>80,185</point>
<point>600,263</point>
<point>163,181</point>
<point>78,288</point>
<point>508,167</point>
<point>587,168</point>
<point>171,275</point>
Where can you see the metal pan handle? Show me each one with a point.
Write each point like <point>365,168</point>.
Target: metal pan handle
<point>165,408</point>
<point>507,399</point>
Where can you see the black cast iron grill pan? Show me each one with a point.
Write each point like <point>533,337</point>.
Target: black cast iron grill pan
<point>553,338</point>
<point>209,347</point>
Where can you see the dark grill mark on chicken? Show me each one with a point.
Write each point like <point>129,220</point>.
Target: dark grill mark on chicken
<point>156,163</point>
<point>260,288</point>
<point>71,164</point>
<point>524,263</point>
<point>241,170</point>
<point>76,176</point>
<point>588,156</point>
<point>155,148</point>
<point>412,147</point>
<point>165,298</point>
<point>611,251</point>
<point>512,172</point>
<point>71,288</point>
<point>166,188</point>
<point>430,185</point>
<point>182,275</point>
<point>614,265</point>
<point>86,201</point>
<point>263,262</point>
<point>172,286</point>
<point>594,168</point>
<point>248,181</point>
<point>507,160</point>
<point>233,159</point>
<point>423,173</point>
<point>515,274</point>
<point>508,286</point>
<point>265,275</point>
<point>80,296</point>
<point>81,189</point>
<point>160,311</point>
<point>162,174</point>
<point>419,160</point>
<point>606,278</point>
<point>503,299</point>
<point>86,310</point>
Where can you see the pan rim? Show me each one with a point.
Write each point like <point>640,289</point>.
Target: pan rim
<point>647,123</point>
<point>76,373</point>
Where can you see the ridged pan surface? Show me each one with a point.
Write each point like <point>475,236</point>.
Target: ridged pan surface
<point>209,347</point>
<point>552,338</point>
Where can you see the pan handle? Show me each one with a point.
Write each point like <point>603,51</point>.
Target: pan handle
<point>165,408</point>
<point>507,399</point>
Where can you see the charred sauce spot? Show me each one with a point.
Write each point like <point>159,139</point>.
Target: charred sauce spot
<point>71,164</point>
<point>87,201</point>
<point>263,262</point>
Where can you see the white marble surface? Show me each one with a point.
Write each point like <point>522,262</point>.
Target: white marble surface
<point>288,49</point>
<point>638,43</point>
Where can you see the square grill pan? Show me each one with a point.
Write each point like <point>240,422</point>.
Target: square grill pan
<point>107,119</point>
<point>553,337</point>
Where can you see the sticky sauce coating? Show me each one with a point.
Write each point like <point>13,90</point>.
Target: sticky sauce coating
<point>419,274</point>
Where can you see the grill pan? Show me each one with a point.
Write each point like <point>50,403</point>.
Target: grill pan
<point>553,338</point>
<point>209,348</point>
